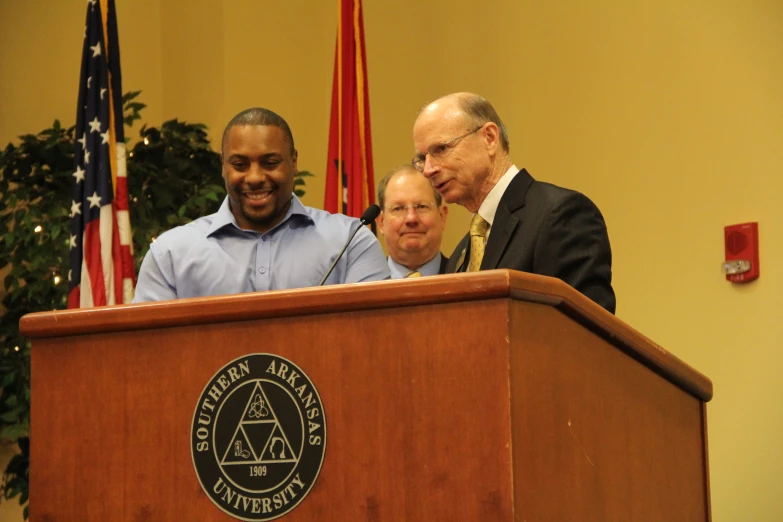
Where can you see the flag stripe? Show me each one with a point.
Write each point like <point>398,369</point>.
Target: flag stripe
<point>338,204</point>
<point>360,89</point>
<point>106,227</point>
<point>94,266</point>
<point>86,296</point>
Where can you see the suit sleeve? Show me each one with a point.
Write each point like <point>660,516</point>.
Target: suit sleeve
<point>574,247</point>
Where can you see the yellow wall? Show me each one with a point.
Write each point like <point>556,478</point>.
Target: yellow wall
<point>668,113</point>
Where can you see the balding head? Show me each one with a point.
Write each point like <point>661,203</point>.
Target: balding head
<point>461,147</point>
<point>412,218</point>
<point>474,109</point>
<point>397,171</point>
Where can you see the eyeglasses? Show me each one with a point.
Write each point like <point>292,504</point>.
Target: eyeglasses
<point>400,211</point>
<point>438,150</point>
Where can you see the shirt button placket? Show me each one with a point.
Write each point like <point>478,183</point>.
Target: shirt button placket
<point>263,260</point>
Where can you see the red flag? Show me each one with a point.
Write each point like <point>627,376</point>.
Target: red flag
<point>350,186</point>
<point>102,270</point>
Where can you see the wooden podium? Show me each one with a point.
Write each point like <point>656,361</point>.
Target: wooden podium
<point>492,396</point>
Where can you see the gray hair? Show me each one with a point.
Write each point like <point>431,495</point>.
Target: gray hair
<point>481,111</point>
<point>478,111</point>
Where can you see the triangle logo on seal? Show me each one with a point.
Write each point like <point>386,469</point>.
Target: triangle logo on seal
<point>259,438</point>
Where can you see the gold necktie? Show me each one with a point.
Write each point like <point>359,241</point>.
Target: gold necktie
<point>478,228</point>
<point>413,273</point>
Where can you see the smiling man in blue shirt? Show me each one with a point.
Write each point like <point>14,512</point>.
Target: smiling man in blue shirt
<point>262,237</point>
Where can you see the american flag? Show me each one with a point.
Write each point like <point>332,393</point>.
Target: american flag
<point>102,269</point>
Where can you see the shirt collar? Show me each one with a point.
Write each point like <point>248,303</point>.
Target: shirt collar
<point>489,206</point>
<point>224,217</point>
<point>431,267</point>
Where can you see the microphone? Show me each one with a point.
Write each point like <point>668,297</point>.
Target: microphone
<point>368,216</point>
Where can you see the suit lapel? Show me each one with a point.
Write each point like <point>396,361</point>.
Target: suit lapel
<point>506,222</point>
<point>500,236</point>
<point>457,257</point>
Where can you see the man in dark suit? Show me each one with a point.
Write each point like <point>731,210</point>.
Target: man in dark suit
<point>412,220</point>
<point>519,223</point>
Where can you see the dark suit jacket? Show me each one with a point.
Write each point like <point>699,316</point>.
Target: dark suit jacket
<point>444,261</point>
<point>548,230</point>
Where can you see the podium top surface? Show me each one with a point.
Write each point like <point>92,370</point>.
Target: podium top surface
<point>491,284</point>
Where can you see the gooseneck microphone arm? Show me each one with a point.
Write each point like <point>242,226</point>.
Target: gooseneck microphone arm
<point>368,216</point>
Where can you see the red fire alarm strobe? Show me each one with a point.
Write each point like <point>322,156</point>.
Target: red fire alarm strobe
<point>742,252</point>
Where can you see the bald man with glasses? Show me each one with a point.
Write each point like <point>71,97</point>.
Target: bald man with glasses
<point>412,220</point>
<point>462,148</point>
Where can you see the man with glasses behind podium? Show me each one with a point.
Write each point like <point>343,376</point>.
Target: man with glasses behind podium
<point>412,221</point>
<point>462,148</point>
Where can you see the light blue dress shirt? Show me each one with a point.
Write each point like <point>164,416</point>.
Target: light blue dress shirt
<point>431,267</point>
<point>213,256</point>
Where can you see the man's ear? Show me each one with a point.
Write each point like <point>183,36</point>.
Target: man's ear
<point>492,137</point>
<point>444,213</point>
<point>380,222</point>
<point>294,157</point>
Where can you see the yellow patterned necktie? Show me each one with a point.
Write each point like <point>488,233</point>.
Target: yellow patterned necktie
<point>413,273</point>
<point>478,229</point>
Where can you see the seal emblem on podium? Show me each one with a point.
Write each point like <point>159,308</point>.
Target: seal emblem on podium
<point>258,437</point>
